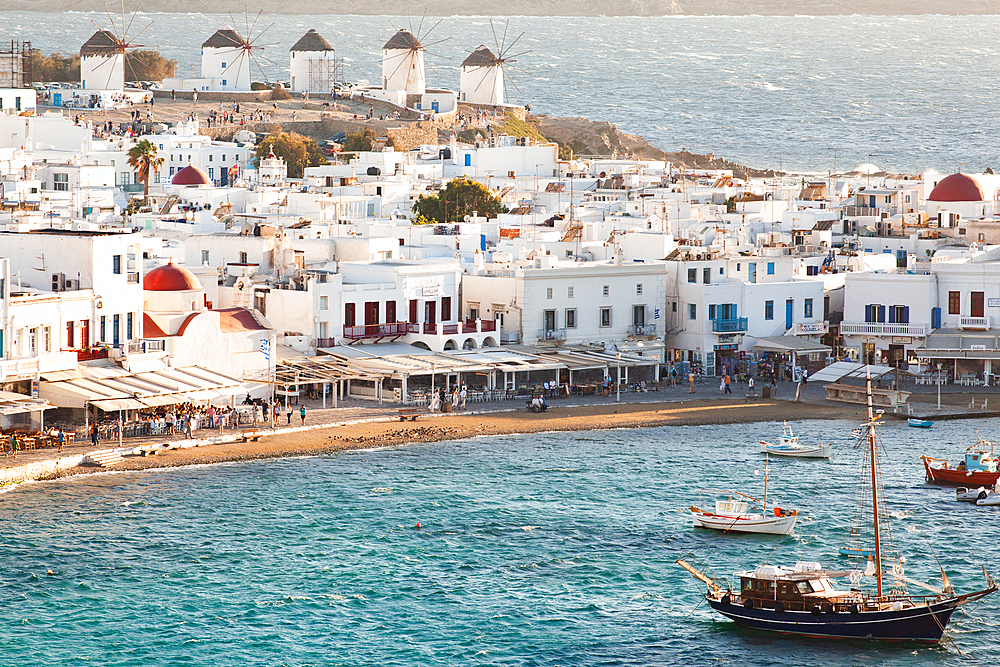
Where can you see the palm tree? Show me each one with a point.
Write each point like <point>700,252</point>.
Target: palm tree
<point>143,158</point>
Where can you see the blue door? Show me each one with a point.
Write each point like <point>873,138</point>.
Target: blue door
<point>57,99</point>
<point>435,107</point>
<point>468,159</point>
<point>788,313</point>
<point>752,272</point>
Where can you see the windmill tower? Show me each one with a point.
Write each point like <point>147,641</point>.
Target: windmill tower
<point>403,64</point>
<point>313,64</point>
<point>483,73</point>
<point>223,58</point>
<point>102,65</point>
<point>481,80</point>
<point>103,57</point>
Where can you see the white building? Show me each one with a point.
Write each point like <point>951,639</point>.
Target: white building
<point>312,63</point>
<point>482,78</point>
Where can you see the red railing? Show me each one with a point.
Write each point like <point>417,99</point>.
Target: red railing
<point>489,325</point>
<point>326,342</point>
<point>92,353</point>
<point>449,329</point>
<point>377,330</point>
<point>469,326</point>
<point>430,328</point>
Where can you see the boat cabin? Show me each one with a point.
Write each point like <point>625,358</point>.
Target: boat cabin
<point>806,587</point>
<point>731,507</point>
<point>979,461</point>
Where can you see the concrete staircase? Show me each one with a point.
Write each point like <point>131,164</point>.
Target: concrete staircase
<point>103,458</point>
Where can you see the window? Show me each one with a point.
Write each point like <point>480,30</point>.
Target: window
<point>571,318</point>
<point>204,257</point>
<point>548,292</point>
<point>606,290</point>
<point>445,308</point>
<point>737,266</point>
<point>807,308</point>
<point>954,303</point>
<point>209,157</point>
<point>770,268</point>
<point>324,303</point>
<point>712,310</point>
<point>549,323</point>
<point>693,311</point>
<point>60,182</point>
<point>692,275</point>
<point>638,289</point>
<point>349,314</point>
<point>211,174</point>
<point>569,292</point>
<point>128,326</point>
<point>899,314</point>
<point>606,317</point>
<point>390,311</point>
<point>243,258</point>
<point>769,310</point>
<point>47,339</point>
<point>116,264</point>
<point>706,275</point>
<point>673,306</point>
<point>875,312</point>
<point>104,328</point>
<point>720,270</point>
<point>116,328</point>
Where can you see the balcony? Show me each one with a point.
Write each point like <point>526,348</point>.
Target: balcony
<point>365,331</point>
<point>91,353</point>
<point>736,325</point>
<point>642,330</point>
<point>476,326</point>
<point>882,329</point>
<point>552,334</point>
<point>975,323</point>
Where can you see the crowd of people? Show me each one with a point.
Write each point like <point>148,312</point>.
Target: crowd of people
<point>442,401</point>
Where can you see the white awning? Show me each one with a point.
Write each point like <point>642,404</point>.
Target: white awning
<point>847,369</point>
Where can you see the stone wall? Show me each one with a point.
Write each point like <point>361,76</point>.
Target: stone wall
<point>205,96</point>
<point>518,112</point>
<point>404,136</point>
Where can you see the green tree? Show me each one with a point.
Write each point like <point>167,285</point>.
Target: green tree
<point>359,141</point>
<point>148,65</point>
<point>297,151</point>
<point>458,199</point>
<point>54,67</point>
<point>143,158</point>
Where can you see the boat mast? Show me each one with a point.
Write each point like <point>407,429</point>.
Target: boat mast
<point>872,455</point>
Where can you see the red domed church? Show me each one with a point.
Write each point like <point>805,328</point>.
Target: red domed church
<point>971,195</point>
<point>175,309</point>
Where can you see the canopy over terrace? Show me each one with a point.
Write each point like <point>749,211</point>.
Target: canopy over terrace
<point>13,405</point>
<point>110,388</point>
<point>588,364</point>
<point>290,374</point>
<point>839,370</point>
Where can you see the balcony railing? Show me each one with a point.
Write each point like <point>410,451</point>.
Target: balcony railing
<point>133,277</point>
<point>363,331</point>
<point>11,368</point>
<point>980,323</point>
<point>489,325</point>
<point>551,334</point>
<point>729,326</point>
<point>881,329</point>
<point>642,330</point>
<point>326,342</point>
<point>92,353</point>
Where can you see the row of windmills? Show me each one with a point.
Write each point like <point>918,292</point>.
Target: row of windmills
<point>231,61</point>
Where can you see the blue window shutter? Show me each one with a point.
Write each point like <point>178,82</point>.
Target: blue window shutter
<point>892,314</point>
<point>881,313</point>
<point>868,313</point>
<point>906,315</point>
<point>711,311</point>
<point>935,318</point>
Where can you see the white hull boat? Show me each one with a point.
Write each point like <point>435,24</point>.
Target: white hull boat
<point>992,498</point>
<point>744,523</point>
<point>788,445</point>
<point>964,495</point>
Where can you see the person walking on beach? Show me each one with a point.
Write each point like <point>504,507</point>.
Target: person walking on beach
<point>61,437</point>
<point>691,382</point>
<point>187,427</point>
<point>95,436</point>
<point>454,398</point>
<point>302,413</point>
<point>288,413</point>
<point>435,402</point>
<point>13,445</point>
<point>751,390</point>
<point>462,396</point>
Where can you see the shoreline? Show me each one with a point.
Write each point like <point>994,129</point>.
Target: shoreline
<point>359,436</point>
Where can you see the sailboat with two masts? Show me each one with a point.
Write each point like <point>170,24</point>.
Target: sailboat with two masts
<point>802,599</point>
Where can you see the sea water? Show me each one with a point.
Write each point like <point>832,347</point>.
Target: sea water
<point>906,93</point>
<point>549,549</point>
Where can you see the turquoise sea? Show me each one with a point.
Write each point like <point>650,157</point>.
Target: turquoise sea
<point>817,93</point>
<point>551,549</point>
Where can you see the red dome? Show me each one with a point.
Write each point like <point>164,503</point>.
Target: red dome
<point>190,176</point>
<point>957,187</point>
<point>170,278</point>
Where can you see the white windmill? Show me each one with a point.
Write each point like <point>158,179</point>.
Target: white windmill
<point>104,57</point>
<point>228,57</point>
<point>483,74</point>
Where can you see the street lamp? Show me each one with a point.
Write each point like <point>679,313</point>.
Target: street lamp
<point>939,385</point>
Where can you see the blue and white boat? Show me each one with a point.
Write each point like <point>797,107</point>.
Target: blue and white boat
<point>788,445</point>
<point>919,423</point>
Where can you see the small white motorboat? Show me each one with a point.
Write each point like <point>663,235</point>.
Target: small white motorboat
<point>967,495</point>
<point>988,498</point>
<point>788,445</point>
<point>733,513</point>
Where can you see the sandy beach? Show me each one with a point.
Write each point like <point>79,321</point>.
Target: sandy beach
<point>433,428</point>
